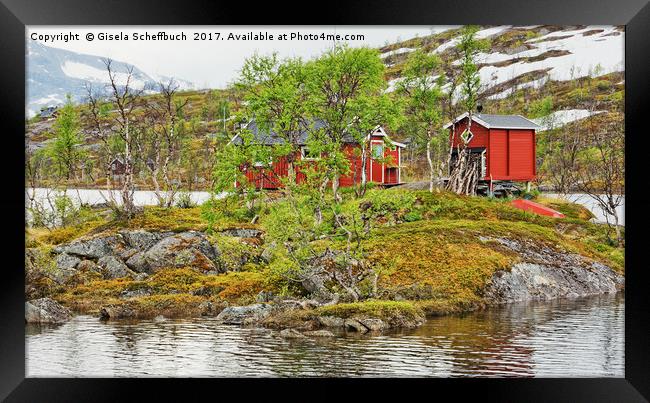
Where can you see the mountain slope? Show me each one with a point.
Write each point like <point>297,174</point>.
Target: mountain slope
<point>52,73</point>
<point>530,62</point>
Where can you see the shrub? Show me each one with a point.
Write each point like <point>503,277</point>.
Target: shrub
<point>184,200</point>
<point>603,85</point>
<point>412,216</point>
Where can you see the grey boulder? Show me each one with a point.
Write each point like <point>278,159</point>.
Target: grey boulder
<point>185,249</point>
<point>239,315</point>
<point>355,325</point>
<point>92,248</point>
<point>46,310</point>
<point>292,334</point>
<point>112,268</point>
<point>331,321</point>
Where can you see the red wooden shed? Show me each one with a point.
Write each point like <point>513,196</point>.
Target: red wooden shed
<point>505,143</point>
<point>383,166</point>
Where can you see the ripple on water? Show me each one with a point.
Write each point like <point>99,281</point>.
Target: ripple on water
<point>580,338</point>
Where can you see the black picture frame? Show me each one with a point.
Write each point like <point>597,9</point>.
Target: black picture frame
<point>16,14</point>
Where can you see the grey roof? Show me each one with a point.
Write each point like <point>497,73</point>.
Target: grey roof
<point>272,138</point>
<point>501,121</point>
<point>507,121</point>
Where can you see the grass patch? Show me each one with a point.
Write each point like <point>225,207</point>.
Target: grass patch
<point>571,210</point>
<point>385,310</point>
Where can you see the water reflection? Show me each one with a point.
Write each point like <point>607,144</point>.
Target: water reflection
<point>581,337</point>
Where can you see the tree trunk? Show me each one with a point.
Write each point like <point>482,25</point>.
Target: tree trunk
<point>619,238</point>
<point>364,177</point>
<point>431,169</point>
<point>335,187</point>
<point>127,188</point>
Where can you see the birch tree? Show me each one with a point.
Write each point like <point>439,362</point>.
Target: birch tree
<point>275,93</point>
<point>345,87</point>
<point>116,130</point>
<point>601,168</point>
<point>421,88</point>
<point>164,140</point>
<point>463,175</point>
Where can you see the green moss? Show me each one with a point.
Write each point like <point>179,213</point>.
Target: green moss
<point>571,210</point>
<point>435,259</point>
<point>385,310</point>
<point>235,287</point>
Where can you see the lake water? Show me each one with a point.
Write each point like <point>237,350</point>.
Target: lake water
<point>590,203</point>
<point>97,196</point>
<point>564,338</point>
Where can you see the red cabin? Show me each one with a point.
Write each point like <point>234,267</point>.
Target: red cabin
<point>505,144</point>
<point>382,167</point>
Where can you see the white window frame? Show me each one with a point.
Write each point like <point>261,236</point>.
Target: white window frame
<point>469,138</point>
<point>372,149</point>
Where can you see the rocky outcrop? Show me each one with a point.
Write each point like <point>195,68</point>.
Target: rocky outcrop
<point>355,325</point>
<point>129,253</point>
<point>242,233</point>
<point>373,324</point>
<point>116,312</point>
<point>92,248</point>
<point>112,267</point>
<point>545,273</point>
<point>185,249</point>
<point>292,334</point>
<point>331,321</point>
<point>244,315</point>
<point>46,310</point>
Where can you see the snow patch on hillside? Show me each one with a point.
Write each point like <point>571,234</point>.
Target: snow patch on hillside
<point>561,118</point>
<point>486,33</point>
<point>89,73</point>
<point>589,55</point>
<point>396,52</point>
<point>530,84</point>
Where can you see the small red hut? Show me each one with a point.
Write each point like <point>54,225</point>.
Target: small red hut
<point>505,143</point>
<point>382,167</point>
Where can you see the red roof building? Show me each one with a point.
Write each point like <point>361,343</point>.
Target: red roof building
<point>382,167</point>
<point>506,144</point>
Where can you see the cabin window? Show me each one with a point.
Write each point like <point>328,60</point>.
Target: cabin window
<point>467,136</point>
<point>377,151</point>
<point>307,154</point>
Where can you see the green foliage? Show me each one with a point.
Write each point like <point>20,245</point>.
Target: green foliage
<point>603,85</point>
<point>58,211</point>
<point>422,95</point>
<point>470,80</point>
<point>382,202</point>
<point>65,149</point>
<point>578,95</point>
<point>232,163</point>
<point>412,216</point>
<point>276,94</point>
<point>389,311</point>
<point>541,107</point>
<point>346,94</point>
